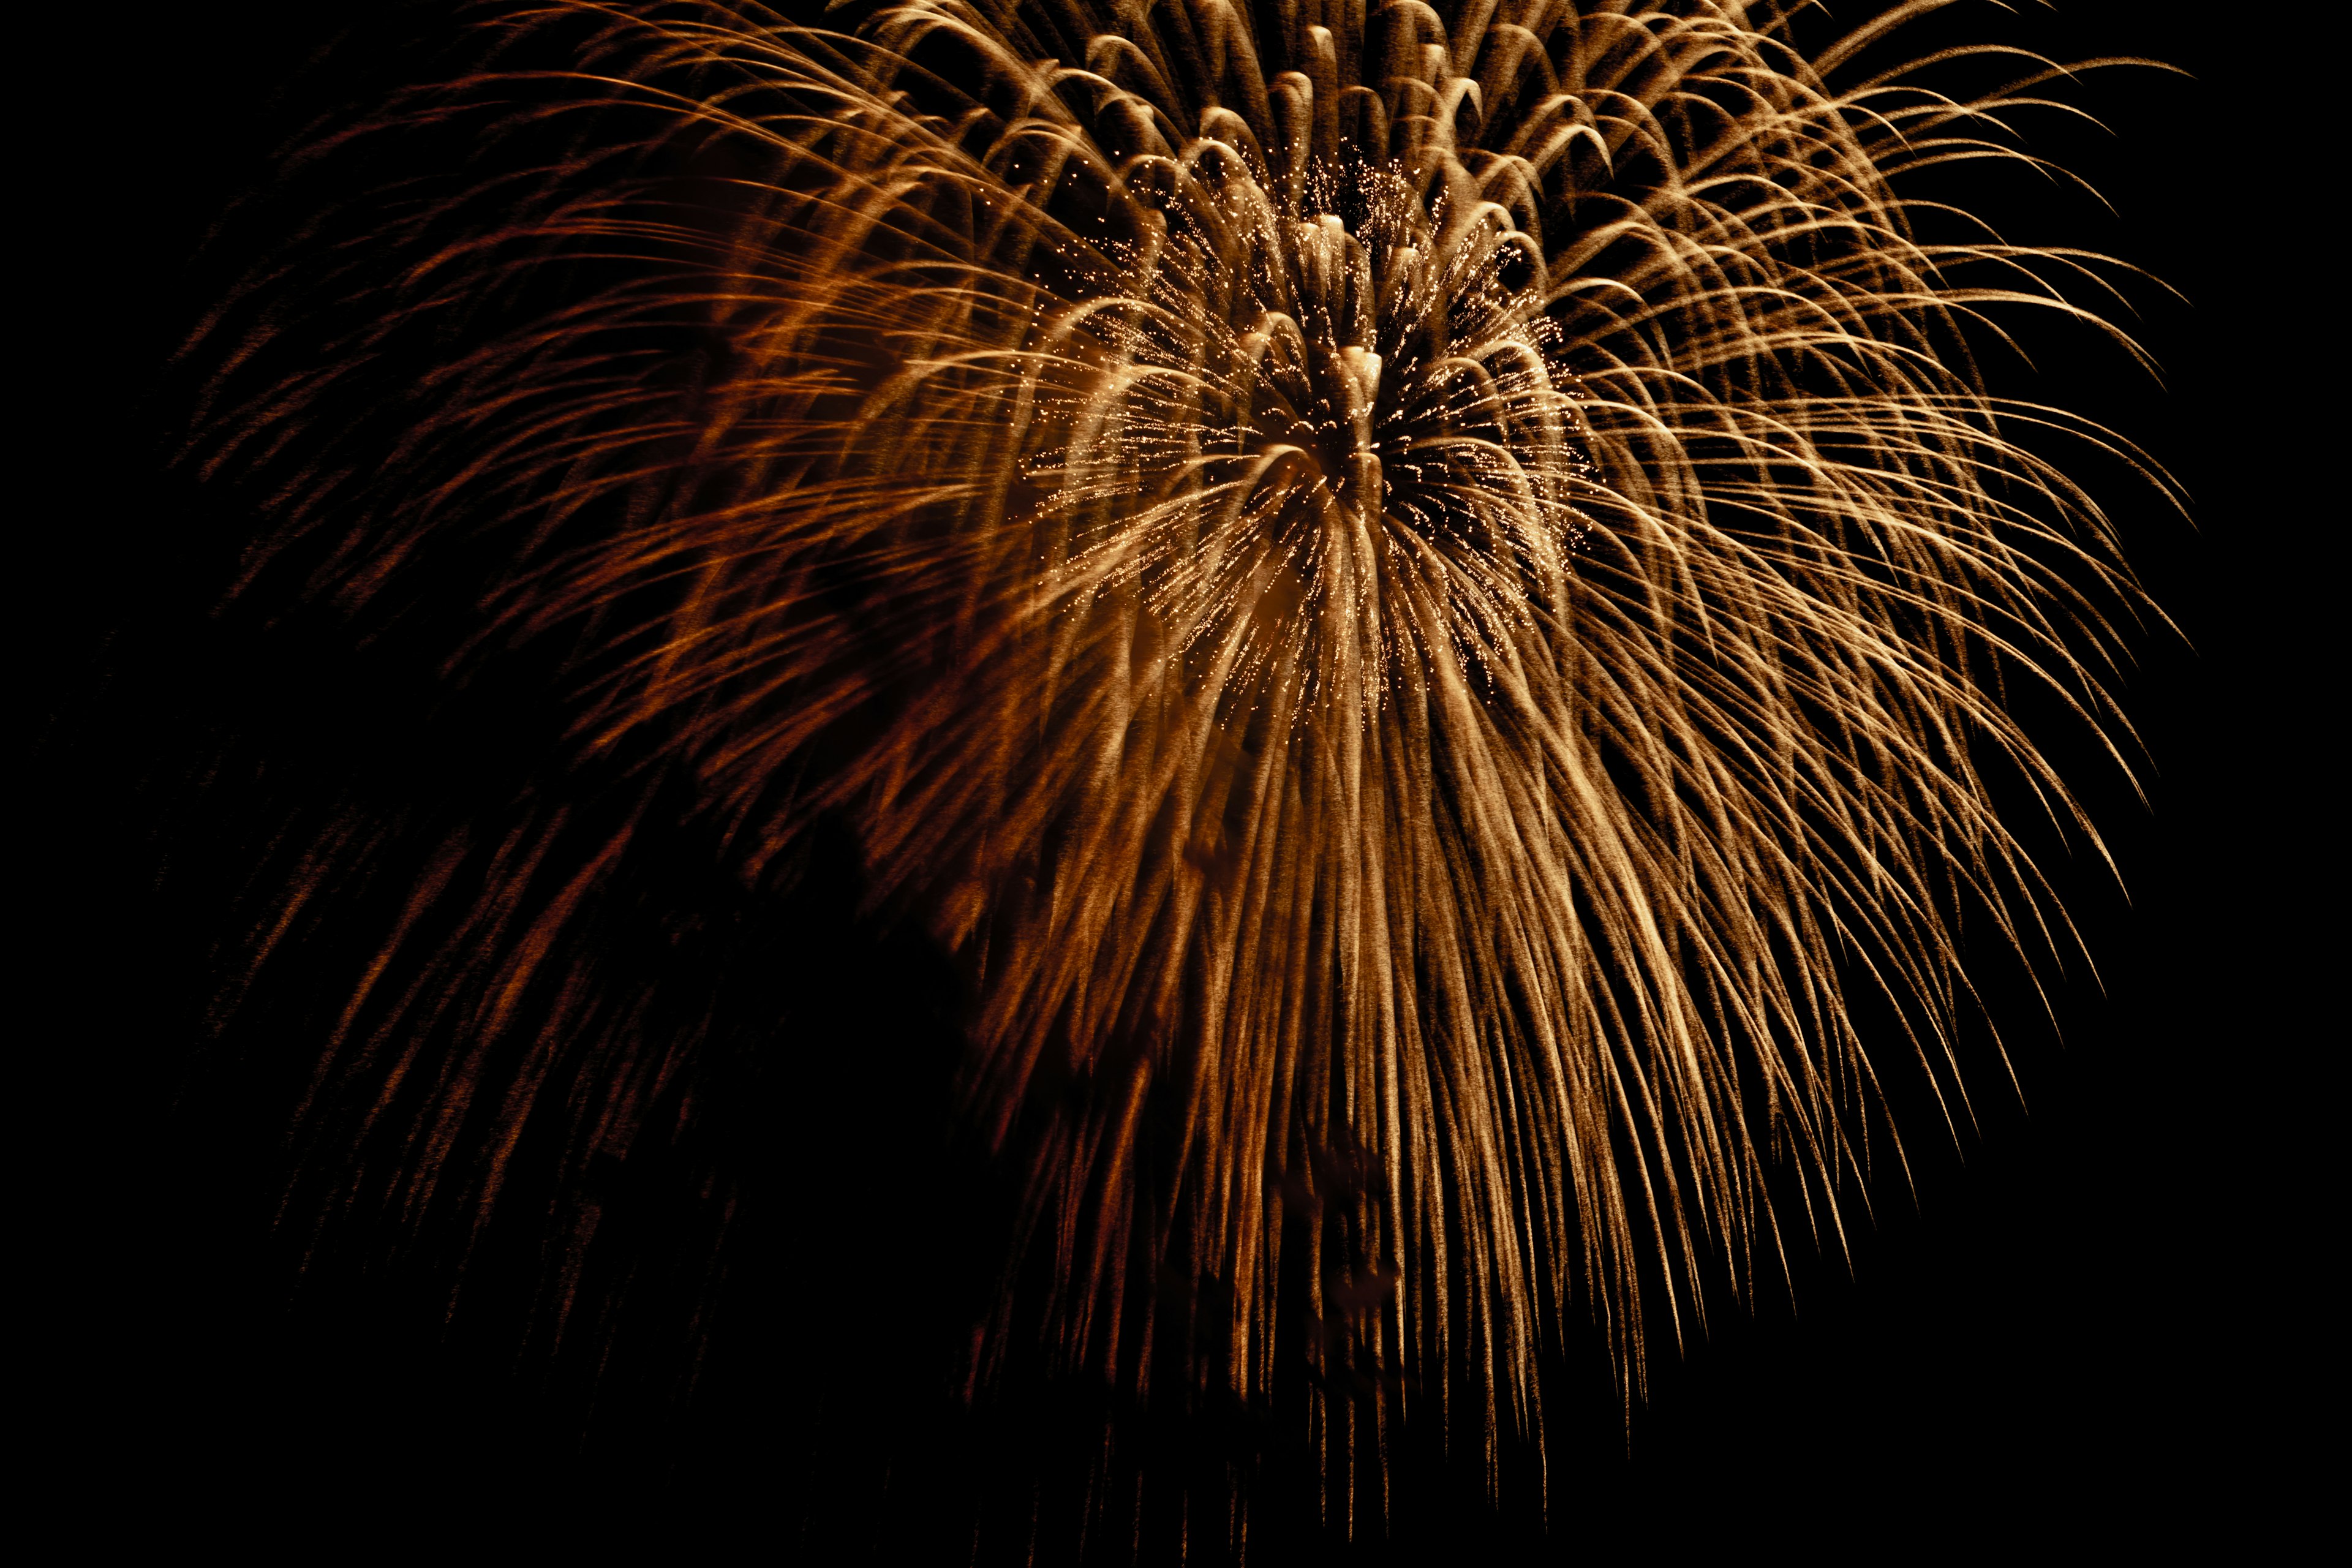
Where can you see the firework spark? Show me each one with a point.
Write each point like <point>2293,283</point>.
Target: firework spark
<point>1422,596</point>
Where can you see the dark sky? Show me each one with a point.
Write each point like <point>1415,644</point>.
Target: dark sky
<point>2100,1318</point>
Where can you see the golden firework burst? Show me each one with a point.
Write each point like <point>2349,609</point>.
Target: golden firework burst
<point>1422,596</point>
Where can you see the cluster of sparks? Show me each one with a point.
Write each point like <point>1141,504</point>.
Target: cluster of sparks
<point>1439,584</point>
<point>1289,388</point>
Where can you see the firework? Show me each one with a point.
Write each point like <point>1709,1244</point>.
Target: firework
<point>1422,599</point>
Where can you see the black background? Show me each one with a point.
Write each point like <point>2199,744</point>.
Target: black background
<point>2100,1320</point>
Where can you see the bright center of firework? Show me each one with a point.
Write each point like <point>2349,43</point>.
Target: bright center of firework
<point>1302,407</point>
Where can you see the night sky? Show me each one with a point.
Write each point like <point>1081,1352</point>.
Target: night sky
<point>2098,1321</point>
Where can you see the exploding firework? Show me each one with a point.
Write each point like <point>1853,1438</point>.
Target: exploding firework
<point>1421,598</point>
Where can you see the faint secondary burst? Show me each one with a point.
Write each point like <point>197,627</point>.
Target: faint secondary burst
<point>1418,595</point>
